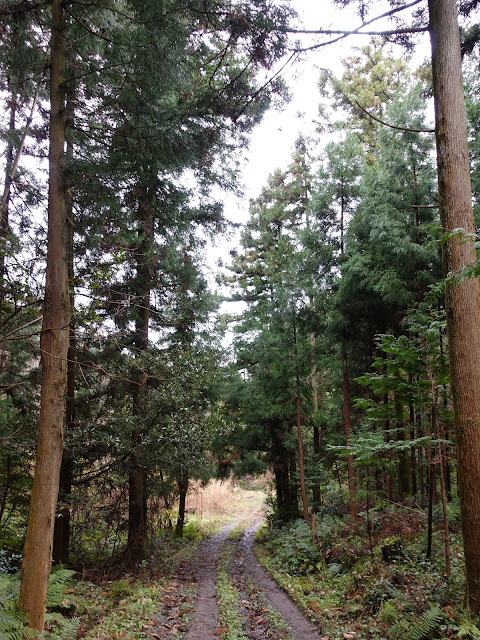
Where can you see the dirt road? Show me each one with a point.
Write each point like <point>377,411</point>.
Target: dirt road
<point>262,610</point>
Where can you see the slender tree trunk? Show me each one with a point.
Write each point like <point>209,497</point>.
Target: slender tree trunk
<point>443,493</point>
<point>6,488</point>
<point>432,481</point>
<point>182,488</point>
<point>413,457</point>
<point>37,553</point>
<point>404,486</point>
<point>6,200</point>
<point>137,514</point>
<point>61,537</point>
<point>316,431</point>
<point>462,296</point>
<point>346,416</point>
<point>301,463</point>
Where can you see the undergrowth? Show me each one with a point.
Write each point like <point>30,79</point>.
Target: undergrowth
<point>338,580</point>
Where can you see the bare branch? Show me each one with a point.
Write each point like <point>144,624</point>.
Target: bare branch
<point>391,126</point>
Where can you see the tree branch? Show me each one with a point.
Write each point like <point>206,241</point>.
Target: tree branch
<point>391,126</point>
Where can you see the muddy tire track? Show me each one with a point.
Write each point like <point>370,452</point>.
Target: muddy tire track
<point>258,595</point>
<point>300,627</point>
<point>205,616</point>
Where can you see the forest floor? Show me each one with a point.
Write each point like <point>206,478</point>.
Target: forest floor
<point>197,588</point>
<point>210,585</point>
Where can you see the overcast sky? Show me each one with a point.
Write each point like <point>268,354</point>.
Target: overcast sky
<point>273,140</point>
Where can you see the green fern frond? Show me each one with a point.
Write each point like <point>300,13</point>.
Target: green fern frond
<point>426,624</point>
<point>65,629</point>
<point>59,580</point>
<point>9,589</point>
<point>12,624</point>
<point>468,630</point>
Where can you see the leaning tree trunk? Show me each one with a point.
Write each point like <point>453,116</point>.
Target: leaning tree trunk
<point>37,553</point>
<point>462,294</point>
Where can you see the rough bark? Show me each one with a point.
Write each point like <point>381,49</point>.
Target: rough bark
<point>61,536</point>
<point>462,293</point>
<point>37,552</point>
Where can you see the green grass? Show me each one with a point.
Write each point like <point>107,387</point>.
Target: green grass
<point>228,597</point>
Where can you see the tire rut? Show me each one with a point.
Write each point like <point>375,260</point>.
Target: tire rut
<point>300,627</point>
<point>258,595</point>
<point>205,617</point>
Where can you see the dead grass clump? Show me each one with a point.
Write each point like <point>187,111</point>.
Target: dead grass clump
<point>222,499</point>
<point>218,497</point>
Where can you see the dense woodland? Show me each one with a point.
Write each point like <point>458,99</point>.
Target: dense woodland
<point>122,125</point>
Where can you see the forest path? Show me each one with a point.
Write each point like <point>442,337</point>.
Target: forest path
<point>263,610</point>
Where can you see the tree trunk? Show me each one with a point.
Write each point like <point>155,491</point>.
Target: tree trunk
<point>137,512</point>
<point>37,553</point>
<point>280,461</point>
<point>183,488</point>
<point>446,526</point>
<point>61,537</point>
<point>301,464</point>
<point>404,486</point>
<point>432,477</point>
<point>6,487</point>
<point>413,456</point>
<point>462,295</point>
<point>6,200</point>
<point>346,415</point>
<point>316,431</point>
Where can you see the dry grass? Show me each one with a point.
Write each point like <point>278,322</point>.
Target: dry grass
<point>223,500</point>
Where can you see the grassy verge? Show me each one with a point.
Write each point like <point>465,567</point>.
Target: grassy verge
<point>132,607</point>
<point>336,580</point>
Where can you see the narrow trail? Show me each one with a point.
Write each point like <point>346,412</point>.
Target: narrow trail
<point>266,611</point>
<point>205,617</point>
<point>300,627</point>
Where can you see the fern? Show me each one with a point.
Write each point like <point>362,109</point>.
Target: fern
<point>426,623</point>
<point>59,580</point>
<point>468,630</point>
<point>67,629</point>
<point>12,621</point>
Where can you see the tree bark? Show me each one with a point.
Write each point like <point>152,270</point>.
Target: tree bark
<point>301,463</point>
<point>316,431</point>
<point>404,471</point>
<point>462,294</point>
<point>61,536</point>
<point>6,200</point>
<point>37,552</point>
<point>286,508</point>
<point>182,488</point>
